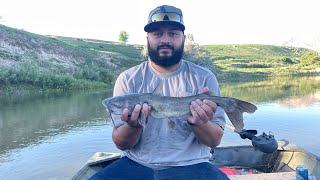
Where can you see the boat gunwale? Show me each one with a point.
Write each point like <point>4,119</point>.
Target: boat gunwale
<point>101,159</point>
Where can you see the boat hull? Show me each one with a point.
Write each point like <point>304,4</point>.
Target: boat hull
<point>280,164</point>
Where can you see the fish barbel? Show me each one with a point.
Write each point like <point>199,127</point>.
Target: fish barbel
<point>171,107</point>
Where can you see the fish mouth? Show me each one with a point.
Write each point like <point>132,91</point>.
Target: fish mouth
<point>112,112</point>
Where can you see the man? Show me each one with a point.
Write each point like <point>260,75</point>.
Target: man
<point>167,148</point>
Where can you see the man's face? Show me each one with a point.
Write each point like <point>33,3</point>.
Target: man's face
<point>165,45</point>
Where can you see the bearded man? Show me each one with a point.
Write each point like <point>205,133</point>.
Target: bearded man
<point>169,148</point>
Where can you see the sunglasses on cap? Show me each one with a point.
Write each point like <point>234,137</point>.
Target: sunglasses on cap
<point>166,17</point>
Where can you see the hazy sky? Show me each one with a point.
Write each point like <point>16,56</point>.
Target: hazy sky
<point>210,22</point>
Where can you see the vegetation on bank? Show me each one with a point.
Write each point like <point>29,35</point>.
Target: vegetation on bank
<point>252,62</point>
<point>31,62</point>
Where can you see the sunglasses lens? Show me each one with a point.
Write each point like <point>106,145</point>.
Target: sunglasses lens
<point>166,17</point>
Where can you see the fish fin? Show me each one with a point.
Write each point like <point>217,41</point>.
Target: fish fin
<point>209,93</point>
<point>236,119</point>
<point>143,119</point>
<point>158,89</point>
<point>236,110</point>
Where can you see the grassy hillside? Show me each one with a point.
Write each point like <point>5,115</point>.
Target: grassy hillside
<point>251,61</point>
<point>29,60</point>
<point>35,63</point>
<point>253,52</point>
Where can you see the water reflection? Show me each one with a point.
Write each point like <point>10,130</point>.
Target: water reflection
<point>293,92</point>
<point>67,128</point>
<point>300,101</point>
<point>30,121</point>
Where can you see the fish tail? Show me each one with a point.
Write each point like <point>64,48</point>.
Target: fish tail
<point>235,112</point>
<point>236,119</point>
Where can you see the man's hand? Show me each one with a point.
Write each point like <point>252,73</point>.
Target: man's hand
<point>127,135</point>
<point>131,118</point>
<point>201,111</point>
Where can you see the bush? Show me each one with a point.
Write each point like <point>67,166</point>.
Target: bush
<point>286,60</point>
<point>196,53</point>
<point>251,65</point>
<point>31,74</point>
<point>310,58</point>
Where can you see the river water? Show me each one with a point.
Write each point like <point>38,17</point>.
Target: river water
<point>52,136</point>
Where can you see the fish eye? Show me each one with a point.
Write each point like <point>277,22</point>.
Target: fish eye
<point>116,105</point>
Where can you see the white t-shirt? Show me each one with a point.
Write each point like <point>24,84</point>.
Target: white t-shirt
<point>168,142</point>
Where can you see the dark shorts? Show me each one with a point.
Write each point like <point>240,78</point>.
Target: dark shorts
<point>124,169</point>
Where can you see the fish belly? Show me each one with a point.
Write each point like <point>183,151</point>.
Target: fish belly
<point>170,108</point>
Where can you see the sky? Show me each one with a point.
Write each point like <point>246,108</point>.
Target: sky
<point>210,22</point>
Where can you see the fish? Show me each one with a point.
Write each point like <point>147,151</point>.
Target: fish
<point>174,107</point>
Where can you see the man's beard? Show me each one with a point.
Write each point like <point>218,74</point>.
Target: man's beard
<point>165,61</point>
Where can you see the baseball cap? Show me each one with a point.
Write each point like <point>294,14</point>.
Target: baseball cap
<point>164,15</point>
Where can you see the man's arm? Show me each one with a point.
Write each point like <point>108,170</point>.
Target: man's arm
<point>127,135</point>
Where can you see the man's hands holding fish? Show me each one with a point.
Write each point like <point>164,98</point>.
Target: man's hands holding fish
<point>127,135</point>
<point>201,111</point>
<point>132,120</point>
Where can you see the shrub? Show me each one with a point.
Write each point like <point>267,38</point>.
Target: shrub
<point>310,58</point>
<point>286,60</point>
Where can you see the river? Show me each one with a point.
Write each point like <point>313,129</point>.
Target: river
<point>52,136</point>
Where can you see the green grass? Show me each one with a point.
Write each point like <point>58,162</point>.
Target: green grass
<point>252,62</point>
<point>253,52</point>
<point>62,63</point>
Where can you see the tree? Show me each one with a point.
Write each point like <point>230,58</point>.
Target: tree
<point>196,53</point>
<point>123,36</point>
